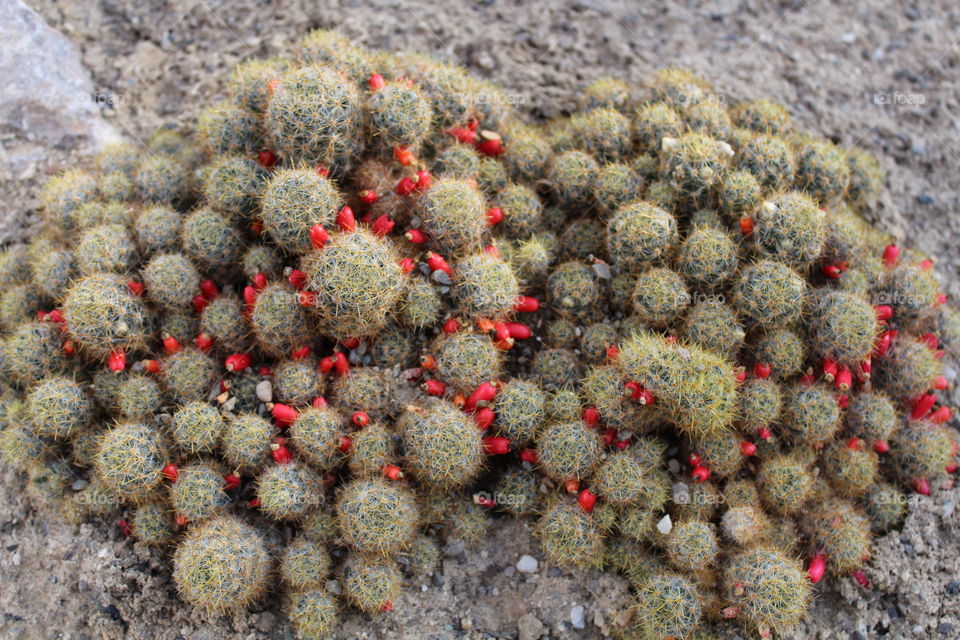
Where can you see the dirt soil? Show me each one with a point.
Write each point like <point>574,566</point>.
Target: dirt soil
<point>883,75</point>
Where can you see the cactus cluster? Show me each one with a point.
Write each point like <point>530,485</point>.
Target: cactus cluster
<point>366,305</point>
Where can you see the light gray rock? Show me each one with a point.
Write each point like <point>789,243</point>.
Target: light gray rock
<point>527,564</point>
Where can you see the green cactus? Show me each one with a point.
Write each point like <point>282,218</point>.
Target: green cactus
<point>294,201</point>
<point>371,583</point>
<point>485,287</point>
<point>279,321</point>
<point>197,427</point>
<point>316,434</point>
<point>129,460</point>
<point>246,442</point>
<point>288,491</point>
<point>58,407</point>
<point>443,448</point>
<point>668,605</point>
<point>784,483</point>
<point>569,537</point>
<point>304,565</point>
<point>211,240</point>
<point>768,294</point>
<point>769,588</point>
<point>452,215</point>
<point>198,493</point>
<point>640,234</point>
<point>139,397</point>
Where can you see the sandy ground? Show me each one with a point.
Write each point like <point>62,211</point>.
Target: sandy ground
<point>883,75</point>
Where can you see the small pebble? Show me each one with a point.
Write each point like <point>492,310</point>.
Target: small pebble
<point>953,587</point>
<point>665,525</point>
<point>577,617</point>
<point>944,628</point>
<point>265,391</point>
<point>527,564</point>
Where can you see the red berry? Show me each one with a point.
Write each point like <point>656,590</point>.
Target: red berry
<point>322,171</point>
<point>297,278</point>
<point>170,472</point>
<point>941,415</point>
<point>884,311</point>
<point>319,402</point>
<point>844,379</point>
<point>526,304</point>
<point>318,236</point>
<point>199,303</point>
<point>136,288</point>
<point>416,236</point>
<point>307,298</point>
<point>152,366</point>
<point>890,255</point>
<point>341,366</point>
<point>484,418</point>
<point>382,225</point>
<point>300,353</point>
<point>428,362</point>
<point>861,578</point>
<point>424,180</point>
<point>494,216</point>
<point>249,295</point>
<point>586,499</point>
<point>700,474</point>
<point>761,370</point>
<point>748,448</point>
<point>376,82</point>
<point>368,196</point>
<point>926,265</point>
<point>491,146</point>
<point>746,225</point>
<point>831,271</point>
<point>451,326</point>
<point>125,528</point>
<point>496,445</point>
<point>764,433</point>
<point>231,481</point>
<point>921,486</point>
<point>284,414</point>
<point>462,134</point>
<point>817,567</point>
<point>486,392</point>
<point>434,387</point>
<point>694,459</point>
<point>360,419</point>
<point>171,345</point>
<point>391,472</point>
<point>407,265</point>
<point>436,263</point>
<point>406,186</point>
<point>403,155</point>
<point>267,158</point>
<point>613,352</point>
<point>922,405</point>
<point>881,446</point>
<point>529,455</point>
<point>344,444</point>
<point>238,362</point>
<point>280,453</point>
<point>260,281</point>
<point>940,383</point>
<point>590,417</point>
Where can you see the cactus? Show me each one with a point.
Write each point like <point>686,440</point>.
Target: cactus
<point>485,287</point>
<point>461,162</point>
<point>313,614</point>
<point>198,493</point>
<point>871,416</point>
<point>568,450</point>
<point>288,491</point>
<point>420,306</point>
<point>304,565</point>
<point>573,291</point>
<point>210,239</point>
<point>617,184</point>
<point>372,449</point>
<point>850,467</point>
<point>139,397</point>
<point>694,164</point>
<point>784,484</point>
<point>760,403</point>
<point>465,360</point>
<point>171,280</point>
<point>790,228</point>
<point>197,427</point>
<point>152,524</point>
<point>234,185</point>
<point>583,239</point>
<point>782,350</point>
<point>246,442</point>
<point>745,525</point>
<point>768,294</point>
<point>640,234</point>
<point>908,369</point>
<point>822,170</point>
<point>885,506</point>
<point>443,447</point>
<point>296,382</point>
<point>659,297</point>
<point>668,605</point>
<point>713,325</point>
<point>58,408</point>
<point>692,546</point>
<point>516,493</point>
<point>569,537</point>
<point>522,211</point>
<point>605,132</point>
<point>223,321</point>
<point>572,175</point>
<point>129,460</point>
<point>810,413</point>
<point>367,389</point>
<point>315,435</point>
<point>520,409</point>
<point>225,128</point>
<point>841,531</point>
<point>452,215</point>
<point>596,339</point>
<point>655,121</point>
<point>376,517</point>
<point>371,584</point>
<point>842,326</point>
<point>279,321</point>
<point>222,565</point>
<point>188,374</point>
<point>555,369</point>
<point>295,200</point>
<point>769,159</point>
<point>624,480</point>
<point>159,179</point>
<point>769,588</point>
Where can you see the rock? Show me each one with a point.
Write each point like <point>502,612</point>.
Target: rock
<point>944,628</point>
<point>527,564</point>
<point>529,627</point>
<point>266,622</point>
<point>953,587</point>
<point>265,391</point>
<point>665,525</point>
<point>577,617</point>
<point>48,95</point>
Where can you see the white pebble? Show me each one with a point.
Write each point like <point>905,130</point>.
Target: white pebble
<point>265,391</point>
<point>665,525</point>
<point>576,617</point>
<point>527,564</point>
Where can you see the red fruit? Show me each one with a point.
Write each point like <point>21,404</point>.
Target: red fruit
<point>280,453</point>
<point>746,226</point>
<point>922,405</point>
<point>387,606</point>
<point>861,578</point>
<point>941,415</point>
<point>300,353</point>
<point>152,366</point>
<point>951,468</point>
<point>368,196</point>
<point>694,459</point>
<point>136,288</point>
<point>428,362</point>
<point>764,433</point>
<point>307,298</point>
<point>171,345</point>
<point>407,265</point>
<point>344,444</point>
<point>843,401</point>
<point>416,236</point>
<point>747,448</point>
<point>260,281</point>
<point>319,402</point>
<point>930,340</point>
<point>740,374</point>
<point>941,299</point>
<point>856,444</point>
<point>199,303</point>
<point>231,481</point>
<point>831,271</point>
<point>519,331</point>
<point>921,486</point>
<point>926,265</point>
<point>170,472</point>
<point>761,370</point>
<point>69,348</point>
<point>406,186</point>
<point>880,446</point>
<point>238,362</point>
<point>322,171</point>
<point>376,82</point>
<point>700,474</point>
<point>484,418</point>
<point>613,352</point>
<point>491,146</point>
<point>284,414</point>
<point>817,567</point>
<point>844,379</point>
<point>267,158</point>
<point>125,528</point>
<point>526,304</point>
<point>351,343</point>
<point>484,500</point>
<point>254,503</point>
<point>403,155</point>
<point>496,445</point>
<point>492,250</point>
<point>883,343</point>
<point>424,180</point>
<point>590,417</point>
<point>56,316</point>
<point>434,387</point>
<point>486,392</point>
<point>830,369</point>
<point>609,437</point>
<point>436,263</point>
<point>256,227</point>
<point>462,134</point>
<point>890,255</point>
<point>940,383</point>
<point>249,295</point>
<point>391,472</point>
<point>572,485</point>
<point>360,419</point>
<point>341,366</point>
<point>529,455</point>
<point>494,216</point>
<point>866,368</point>
<point>318,236</point>
<point>884,311</point>
<point>451,326</point>
<point>586,500</point>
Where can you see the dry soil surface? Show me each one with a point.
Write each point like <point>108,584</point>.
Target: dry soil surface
<point>883,75</point>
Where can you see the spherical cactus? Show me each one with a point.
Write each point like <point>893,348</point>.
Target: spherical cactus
<point>640,234</point>
<point>782,350</point>
<point>461,162</point>
<point>920,452</point>
<point>188,374</point>
<point>159,179</point>
<point>18,304</point>
<point>768,294</point>
<point>53,272</point>
<point>866,176</point>
<point>421,305</point>
<point>288,491</point>
<point>259,258</point>
<point>810,414</point>
<point>63,194</point>
<point>399,114</point>
<point>532,258</point>
<point>623,480</point>
<point>762,116</point>
<point>394,345</point>
<point>58,407</point>
<point>528,153</point>
<point>452,215</point>
<point>655,121</point>
<point>485,286</point>
<point>314,117</point>
<point>279,321</point>
<point>908,368</point>
<point>516,493</point>
<point>569,537</point>
<point>367,389</point>
<point>692,546</point>
<point>129,460</point>
<point>377,517</point>
<point>249,82</point>
<point>769,588</point>
<point>211,240</point>
<point>596,339</point>
<point>555,369</point>
<point>222,565</point>
<point>152,523</point>
<point>572,175</point>
<point>465,360</point>
<point>313,614</point>
<point>139,397</point>
<point>909,289</point>
<point>871,416</point>
<point>197,427</point>
<point>851,467</point>
<point>443,447</point>
<point>304,565</point>
<point>228,129</point>
<point>841,531</point>
<point>198,493</point>
<point>171,280</point>
<point>222,320</point>
<point>659,296</point>
<point>522,211</point>
<point>357,283</point>
<point>769,159</point>
<point>583,239</point>
<point>784,484</point>
<point>568,450</point>
<point>105,248</point>
<point>296,382</point>
<point>713,325</point>
<point>234,185</point>
<point>822,170</point>
<point>842,326</point>
<point>316,436</point>
<point>760,403</point>
<point>722,452</point>
<point>371,583</point>
<point>708,258</point>
<point>886,506</point>
<point>573,291</point>
<point>668,605</point>
<point>739,195</point>
<point>604,132</point>
<point>246,442</point>
<point>372,448</point>
<point>745,525</point>
<point>294,201</point>
<point>104,316</point>
<point>791,228</point>
<point>617,184</point>
<point>694,164</point>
